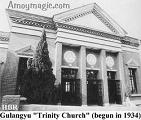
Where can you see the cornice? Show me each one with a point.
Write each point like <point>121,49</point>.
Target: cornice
<point>104,21</point>
<point>31,19</point>
<point>26,51</point>
<point>26,54</point>
<point>135,44</point>
<point>67,19</point>
<point>130,41</point>
<point>4,36</point>
<point>98,33</point>
<point>108,21</point>
<point>88,31</point>
<point>40,21</point>
<point>33,23</point>
<point>73,13</point>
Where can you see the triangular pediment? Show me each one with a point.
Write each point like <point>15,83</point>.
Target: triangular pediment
<point>26,51</point>
<point>90,16</point>
<point>90,21</point>
<point>132,63</point>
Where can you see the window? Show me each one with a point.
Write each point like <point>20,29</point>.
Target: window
<point>92,74</point>
<point>67,86</point>
<point>111,75</point>
<point>132,78</point>
<point>68,73</point>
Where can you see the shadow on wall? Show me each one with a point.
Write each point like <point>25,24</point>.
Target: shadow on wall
<point>2,64</point>
<point>9,75</point>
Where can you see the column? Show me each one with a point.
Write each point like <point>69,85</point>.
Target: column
<point>103,76</point>
<point>120,75</point>
<point>58,62</point>
<point>82,72</point>
<point>138,81</point>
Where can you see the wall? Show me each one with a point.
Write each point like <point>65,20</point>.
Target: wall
<point>3,53</point>
<point>132,60</point>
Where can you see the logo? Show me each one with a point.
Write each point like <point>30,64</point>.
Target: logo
<point>9,107</point>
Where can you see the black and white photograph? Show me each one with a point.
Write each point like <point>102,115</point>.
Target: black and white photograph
<point>68,55</point>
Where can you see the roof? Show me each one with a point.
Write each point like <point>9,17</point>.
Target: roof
<point>62,20</point>
<point>94,9</point>
<point>30,19</point>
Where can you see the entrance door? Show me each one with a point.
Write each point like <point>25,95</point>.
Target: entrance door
<point>94,88</point>
<point>113,88</point>
<point>70,87</point>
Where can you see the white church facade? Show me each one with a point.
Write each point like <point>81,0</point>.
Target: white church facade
<point>93,58</point>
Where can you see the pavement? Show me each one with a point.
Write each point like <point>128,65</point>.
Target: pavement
<point>35,107</point>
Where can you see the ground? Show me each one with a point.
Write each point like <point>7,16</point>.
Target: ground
<point>34,107</point>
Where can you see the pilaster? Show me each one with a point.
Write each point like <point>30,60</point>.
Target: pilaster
<point>103,76</point>
<point>83,75</point>
<point>120,75</point>
<point>58,62</point>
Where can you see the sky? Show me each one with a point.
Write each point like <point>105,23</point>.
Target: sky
<point>127,13</point>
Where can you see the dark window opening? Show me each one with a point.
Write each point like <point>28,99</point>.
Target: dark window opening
<point>111,75</point>
<point>94,88</point>
<point>70,87</point>
<point>113,88</point>
<point>132,78</point>
<point>92,74</point>
<point>21,70</point>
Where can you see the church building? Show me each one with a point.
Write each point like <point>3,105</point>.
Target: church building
<point>93,58</point>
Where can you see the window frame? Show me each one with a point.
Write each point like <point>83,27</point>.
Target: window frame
<point>133,80</point>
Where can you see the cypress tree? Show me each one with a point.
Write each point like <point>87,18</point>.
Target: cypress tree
<point>39,79</point>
